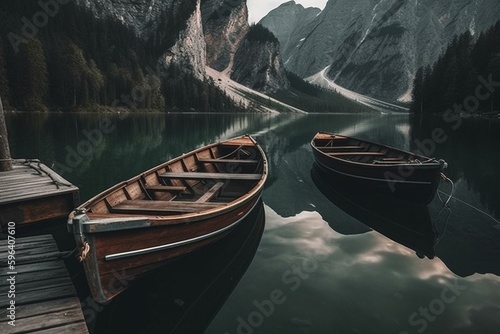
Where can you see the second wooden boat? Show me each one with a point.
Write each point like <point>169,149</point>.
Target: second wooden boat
<point>175,208</point>
<point>378,167</point>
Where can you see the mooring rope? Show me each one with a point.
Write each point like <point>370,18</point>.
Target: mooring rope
<point>472,206</point>
<point>85,249</point>
<point>439,235</point>
<point>447,208</point>
<point>40,170</point>
<point>446,178</point>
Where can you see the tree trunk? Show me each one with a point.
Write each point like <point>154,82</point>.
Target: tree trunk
<point>5,160</point>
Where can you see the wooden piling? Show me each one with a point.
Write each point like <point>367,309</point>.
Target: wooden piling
<point>5,159</point>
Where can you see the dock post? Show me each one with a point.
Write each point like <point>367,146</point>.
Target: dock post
<point>5,159</point>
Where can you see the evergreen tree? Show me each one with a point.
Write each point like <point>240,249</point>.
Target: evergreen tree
<point>74,64</point>
<point>34,75</point>
<point>454,76</point>
<point>4,82</point>
<point>417,92</point>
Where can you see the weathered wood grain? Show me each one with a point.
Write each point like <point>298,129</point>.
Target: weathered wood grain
<point>45,298</point>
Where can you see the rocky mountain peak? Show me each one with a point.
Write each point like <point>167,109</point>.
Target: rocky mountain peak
<point>232,50</point>
<point>375,47</point>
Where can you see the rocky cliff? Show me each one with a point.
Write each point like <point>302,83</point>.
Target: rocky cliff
<point>231,50</point>
<point>258,64</point>
<point>224,27</point>
<point>374,47</point>
<point>189,52</point>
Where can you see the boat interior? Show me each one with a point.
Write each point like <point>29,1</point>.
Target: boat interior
<point>202,180</point>
<point>359,151</point>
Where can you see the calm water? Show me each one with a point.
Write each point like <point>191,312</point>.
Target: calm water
<point>310,259</point>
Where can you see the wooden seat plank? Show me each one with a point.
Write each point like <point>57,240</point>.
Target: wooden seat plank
<point>338,148</point>
<point>166,188</point>
<point>210,176</point>
<point>148,206</point>
<point>341,154</point>
<point>211,193</point>
<point>229,161</point>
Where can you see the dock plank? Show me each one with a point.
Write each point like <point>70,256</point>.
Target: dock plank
<point>45,298</point>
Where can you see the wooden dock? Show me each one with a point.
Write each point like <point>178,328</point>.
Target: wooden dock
<point>38,283</point>
<point>31,192</point>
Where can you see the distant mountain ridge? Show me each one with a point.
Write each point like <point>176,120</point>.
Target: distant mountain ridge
<point>374,47</point>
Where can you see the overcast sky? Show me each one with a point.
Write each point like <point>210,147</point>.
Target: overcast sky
<point>259,8</point>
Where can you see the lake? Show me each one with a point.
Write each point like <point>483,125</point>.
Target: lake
<point>310,259</point>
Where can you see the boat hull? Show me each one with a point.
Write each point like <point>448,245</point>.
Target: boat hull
<point>412,182</point>
<point>118,258</point>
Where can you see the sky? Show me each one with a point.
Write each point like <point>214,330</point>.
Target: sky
<point>259,8</point>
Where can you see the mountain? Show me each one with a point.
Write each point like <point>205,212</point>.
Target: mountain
<point>86,58</point>
<point>178,22</point>
<point>374,47</point>
<point>286,19</point>
<point>209,36</point>
<point>248,55</point>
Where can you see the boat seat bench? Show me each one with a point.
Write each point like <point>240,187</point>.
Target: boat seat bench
<point>337,148</point>
<point>210,176</point>
<point>229,161</point>
<point>211,193</point>
<point>340,154</point>
<point>166,188</point>
<point>149,206</point>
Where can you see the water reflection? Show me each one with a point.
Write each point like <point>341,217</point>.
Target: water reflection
<point>471,150</point>
<point>184,296</point>
<point>95,151</point>
<point>366,282</point>
<point>407,223</point>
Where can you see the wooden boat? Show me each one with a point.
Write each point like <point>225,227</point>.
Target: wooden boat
<point>378,167</point>
<point>175,208</point>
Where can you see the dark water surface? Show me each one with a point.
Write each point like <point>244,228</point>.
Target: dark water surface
<point>311,258</point>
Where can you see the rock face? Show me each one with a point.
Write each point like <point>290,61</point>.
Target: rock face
<point>189,52</point>
<point>375,47</point>
<point>224,26</point>
<point>258,65</point>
